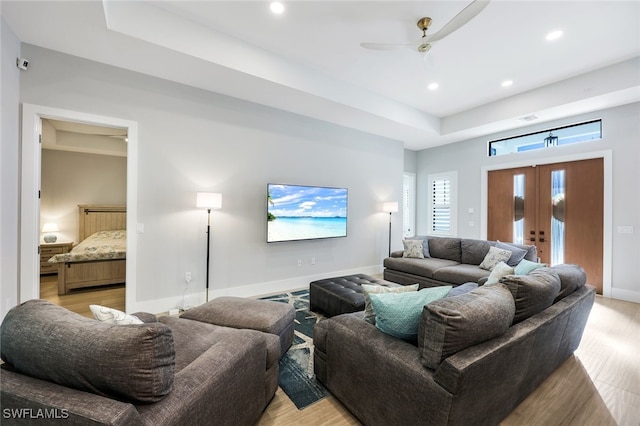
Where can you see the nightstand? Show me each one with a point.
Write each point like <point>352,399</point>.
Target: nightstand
<point>48,250</point>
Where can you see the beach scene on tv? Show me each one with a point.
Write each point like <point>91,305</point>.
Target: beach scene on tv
<point>297,212</point>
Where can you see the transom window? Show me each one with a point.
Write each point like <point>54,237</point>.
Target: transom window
<point>574,133</point>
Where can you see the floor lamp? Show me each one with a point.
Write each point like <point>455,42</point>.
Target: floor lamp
<point>390,207</point>
<point>208,200</point>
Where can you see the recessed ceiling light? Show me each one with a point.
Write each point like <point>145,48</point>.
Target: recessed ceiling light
<point>432,86</point>
<point>554,35</point>
<point>507,83</point>
<point>277,7</point>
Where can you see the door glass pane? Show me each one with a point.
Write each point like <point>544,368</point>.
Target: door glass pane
<point>518,209</point>
<point>557,216</point>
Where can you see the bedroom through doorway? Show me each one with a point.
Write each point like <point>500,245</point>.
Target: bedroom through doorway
<point>83,198</point>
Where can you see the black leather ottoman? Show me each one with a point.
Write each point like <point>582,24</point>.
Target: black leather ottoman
<point>341,295</point>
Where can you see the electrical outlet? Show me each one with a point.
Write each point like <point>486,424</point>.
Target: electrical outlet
<point>187,277</point>
<point>299,262</point>
<point>313,260</point>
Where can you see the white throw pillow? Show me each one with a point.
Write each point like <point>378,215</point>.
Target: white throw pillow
<point>494,257</point>
<point>499,271</point>
<point>113,316</point>
<point>413,249</point>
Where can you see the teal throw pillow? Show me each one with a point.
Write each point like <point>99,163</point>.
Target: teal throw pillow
<point>398,314</point>
<point>525,266</point>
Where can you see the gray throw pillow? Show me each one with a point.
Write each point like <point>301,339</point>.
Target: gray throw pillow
<point>452,324</point>
<point>517,253</point>
<point>533,292</point>
<point>462,289</point>
<point>133,363</point>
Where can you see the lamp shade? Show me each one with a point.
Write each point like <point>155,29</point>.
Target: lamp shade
<point>50,227</point>
<point>209,200</point>
<point>390,207</point>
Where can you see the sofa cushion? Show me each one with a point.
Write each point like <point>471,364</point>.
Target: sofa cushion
<point>473,251</point>
<point>425,244</point>
<point>525,266</point>
<point>459,274</point>
<point>572,277</point>
<point>127,362</point>
<point>533,292</point>
<point>413,249</point>
<point>517,253</point>
<point>499,271</point>
<point>452,324</point>
<point>445,248</point>
<point>193,338</point>
<point>493,257</point>
<point>421,267</point>
<point>369,314</point>
<point>398,314</point>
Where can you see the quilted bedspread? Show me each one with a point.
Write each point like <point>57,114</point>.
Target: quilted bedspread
<point>103,245</point>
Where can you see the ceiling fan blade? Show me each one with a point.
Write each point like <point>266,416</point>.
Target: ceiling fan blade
<point>465,15</point>
<point>387,46</point>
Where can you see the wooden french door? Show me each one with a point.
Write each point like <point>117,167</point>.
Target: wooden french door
<point>557,207</point>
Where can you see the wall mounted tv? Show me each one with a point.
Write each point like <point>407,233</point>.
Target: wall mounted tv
<point>296,212</point>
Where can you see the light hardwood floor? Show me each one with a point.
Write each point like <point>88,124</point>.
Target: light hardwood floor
<point>599,385</point>
<point>79,300</point>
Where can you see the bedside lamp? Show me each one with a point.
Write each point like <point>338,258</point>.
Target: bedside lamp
<point>48,229</point>
<point>208,200</point>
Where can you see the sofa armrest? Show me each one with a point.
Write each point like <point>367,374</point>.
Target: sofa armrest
<point>365,366</point>
<point>508,368</point>
<point>24,395</point>
<point>397,253</point>
<point>226,385</point>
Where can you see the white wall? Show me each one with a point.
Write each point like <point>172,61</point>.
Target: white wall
<point>410,161</point>
<point>191,140</point>
<point>72,178</point>
<point>9,160</point>
<point>621,133</point>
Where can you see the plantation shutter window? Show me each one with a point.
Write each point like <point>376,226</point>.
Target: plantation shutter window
<point>442,204</point>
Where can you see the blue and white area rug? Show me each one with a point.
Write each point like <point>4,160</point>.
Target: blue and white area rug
<point>297,379</point>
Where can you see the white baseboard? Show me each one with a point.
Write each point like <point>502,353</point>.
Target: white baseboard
<point>628,295</point>
<point>251,290</point>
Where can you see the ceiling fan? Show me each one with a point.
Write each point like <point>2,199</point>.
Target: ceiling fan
<point>424,43</point>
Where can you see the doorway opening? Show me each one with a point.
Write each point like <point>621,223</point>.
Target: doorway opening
<point>33,117</point>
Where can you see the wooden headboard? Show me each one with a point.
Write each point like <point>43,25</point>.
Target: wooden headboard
<point>93,218</point>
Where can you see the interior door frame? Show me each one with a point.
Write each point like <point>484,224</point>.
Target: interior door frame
<point>607,158</point>
<point>29,279</point>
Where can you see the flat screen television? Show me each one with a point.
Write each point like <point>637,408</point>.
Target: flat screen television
<point>296,212</point>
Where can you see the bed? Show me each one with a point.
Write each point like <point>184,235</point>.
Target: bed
<point>100,257</point>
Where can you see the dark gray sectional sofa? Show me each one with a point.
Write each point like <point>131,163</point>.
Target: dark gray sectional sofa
<point>451,261</point>
<point>478,355</point>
